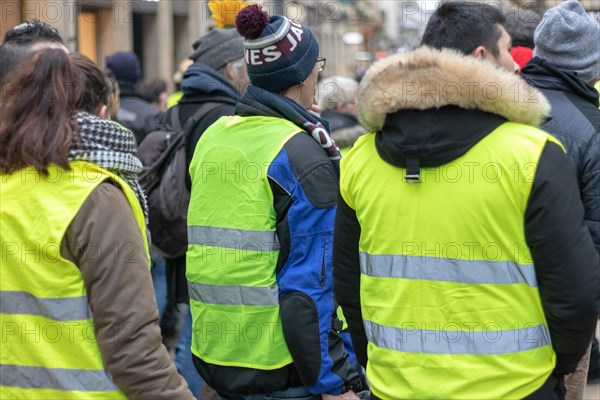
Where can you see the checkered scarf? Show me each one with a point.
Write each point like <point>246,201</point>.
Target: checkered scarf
<point>110,146</point>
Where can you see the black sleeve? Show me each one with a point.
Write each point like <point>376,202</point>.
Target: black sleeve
<point>346,275</point>
<point>566,263</point>
<point>590,187</point>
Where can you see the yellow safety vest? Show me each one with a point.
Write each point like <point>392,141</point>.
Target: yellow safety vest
<point>233,246</point>
<point>448,290</point>
<point>49,348</point>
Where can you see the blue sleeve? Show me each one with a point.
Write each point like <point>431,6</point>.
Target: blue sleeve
<point>305,279</point>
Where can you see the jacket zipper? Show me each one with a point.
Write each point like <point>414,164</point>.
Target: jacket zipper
<point>323,265</point>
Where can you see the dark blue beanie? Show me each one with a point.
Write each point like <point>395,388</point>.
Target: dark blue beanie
<point>280,53</point>
<point>126,66</point>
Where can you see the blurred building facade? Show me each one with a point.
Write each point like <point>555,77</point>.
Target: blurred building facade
<point>348,31</point>
<point>161,32</point>
<point>351,32</point>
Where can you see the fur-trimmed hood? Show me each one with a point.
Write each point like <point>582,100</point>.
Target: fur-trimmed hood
<point>429,79</point>
<point>432,106</point>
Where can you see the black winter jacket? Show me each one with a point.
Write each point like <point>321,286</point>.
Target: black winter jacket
<point>135,113</point>
<point>575,121</point>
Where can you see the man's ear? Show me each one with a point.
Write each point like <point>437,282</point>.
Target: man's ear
<point>479,52</point>
<point>102,111</point>
<point>231,73</point>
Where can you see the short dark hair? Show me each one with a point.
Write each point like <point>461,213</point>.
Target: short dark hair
<point>35,31</point>
<point>520,25</point>
<point>16,47</point>
<point>464,26</point>
<point>150,91</point>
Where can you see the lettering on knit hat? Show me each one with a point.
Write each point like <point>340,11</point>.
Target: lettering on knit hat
<point>284,47</point>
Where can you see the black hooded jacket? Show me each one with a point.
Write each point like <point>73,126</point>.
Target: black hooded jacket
<point>575,121</point>
<point>567,266</point>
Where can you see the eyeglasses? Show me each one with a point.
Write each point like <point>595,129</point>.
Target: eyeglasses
<point>322,62</point>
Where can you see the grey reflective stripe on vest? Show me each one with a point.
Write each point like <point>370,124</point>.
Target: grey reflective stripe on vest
<point>457,342</point>
<point>233,238</point>
<point>446,269</point>
<point>82,380</point>
<point>57,309</point>
<point>234,295</point>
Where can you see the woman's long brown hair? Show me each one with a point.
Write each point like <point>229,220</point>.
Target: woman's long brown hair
<point>38,103</point>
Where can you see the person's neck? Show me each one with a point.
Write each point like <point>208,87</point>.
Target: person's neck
<point>294,93</point>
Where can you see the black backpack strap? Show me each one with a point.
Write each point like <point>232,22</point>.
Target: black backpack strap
<point>175,122</point>
<point>193,122</point>
<point>205,109</point>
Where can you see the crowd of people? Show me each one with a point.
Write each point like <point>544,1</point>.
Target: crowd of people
<point>430,232</point>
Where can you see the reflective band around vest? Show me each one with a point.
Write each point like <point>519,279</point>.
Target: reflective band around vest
<point>446,269</point>
<point>233,238</point>
<point>457,342</point>
<point>58,309</point>
<point>234,295</point>
<point>82,380</point>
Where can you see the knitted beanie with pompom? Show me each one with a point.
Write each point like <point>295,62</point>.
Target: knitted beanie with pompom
<point>280,53</point>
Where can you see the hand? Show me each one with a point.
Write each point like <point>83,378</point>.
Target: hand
<point>349,395</point>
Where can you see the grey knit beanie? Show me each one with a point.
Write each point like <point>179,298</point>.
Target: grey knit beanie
<point>218,47</point>
<point>569,38</point>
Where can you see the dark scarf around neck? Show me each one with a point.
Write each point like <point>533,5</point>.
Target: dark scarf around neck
<point>317,127</point>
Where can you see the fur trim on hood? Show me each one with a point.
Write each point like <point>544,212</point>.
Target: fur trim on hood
<point>428,78</point>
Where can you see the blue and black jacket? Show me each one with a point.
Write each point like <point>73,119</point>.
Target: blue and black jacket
<point>304,183</point>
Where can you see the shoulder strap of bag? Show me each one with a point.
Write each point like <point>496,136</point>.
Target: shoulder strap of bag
<point>193,122</point>
<point>175,122</point>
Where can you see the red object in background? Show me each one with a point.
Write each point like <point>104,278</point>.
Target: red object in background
<point>521,55</point>
<point>381,54</point>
